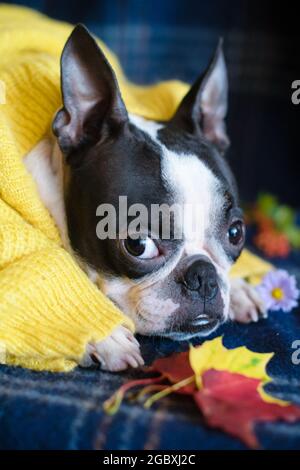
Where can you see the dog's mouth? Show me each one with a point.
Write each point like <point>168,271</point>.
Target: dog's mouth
<point>202,326</point>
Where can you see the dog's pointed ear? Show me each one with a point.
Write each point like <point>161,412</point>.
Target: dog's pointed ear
<point>92,103</point>
<point>205,105</point>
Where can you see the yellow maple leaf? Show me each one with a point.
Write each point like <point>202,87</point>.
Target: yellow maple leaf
<point>213,355</point>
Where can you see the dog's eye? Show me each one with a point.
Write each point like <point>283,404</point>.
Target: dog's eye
<point>236,232</point>
<point>142,248</point>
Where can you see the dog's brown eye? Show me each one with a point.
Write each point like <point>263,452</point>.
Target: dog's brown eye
<point>236,232</point>
<point>143,248</point>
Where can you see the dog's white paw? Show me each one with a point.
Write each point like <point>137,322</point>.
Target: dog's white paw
<point>117,352</point>
<point>246,304</point>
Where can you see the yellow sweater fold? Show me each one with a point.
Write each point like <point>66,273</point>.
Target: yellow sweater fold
<point>49,309</point>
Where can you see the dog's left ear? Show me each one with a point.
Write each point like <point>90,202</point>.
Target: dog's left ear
<point>205,105</point>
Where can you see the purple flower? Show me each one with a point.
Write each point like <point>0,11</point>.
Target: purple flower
<point>278,290</point>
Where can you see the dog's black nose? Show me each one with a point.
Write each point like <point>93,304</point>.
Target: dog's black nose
<point>201,276</point>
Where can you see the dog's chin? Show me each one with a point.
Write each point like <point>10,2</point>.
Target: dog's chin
<point>192,332</point>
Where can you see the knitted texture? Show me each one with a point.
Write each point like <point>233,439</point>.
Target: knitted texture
<point>49,309</point>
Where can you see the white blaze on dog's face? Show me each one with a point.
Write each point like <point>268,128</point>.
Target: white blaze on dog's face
<point>175,286</point>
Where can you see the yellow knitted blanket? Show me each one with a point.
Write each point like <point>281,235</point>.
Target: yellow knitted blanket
<point>49,309</point>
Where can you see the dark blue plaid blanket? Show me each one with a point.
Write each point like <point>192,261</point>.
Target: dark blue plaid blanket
<point>64,411</point>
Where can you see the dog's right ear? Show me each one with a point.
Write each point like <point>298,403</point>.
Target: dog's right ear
<point>205,105</point>
<point>92,103</point>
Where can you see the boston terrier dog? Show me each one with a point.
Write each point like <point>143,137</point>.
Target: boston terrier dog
<point>176,287</point>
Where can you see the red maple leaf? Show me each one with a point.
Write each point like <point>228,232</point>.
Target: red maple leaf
<point>175,369</point>
<point>232,403</point>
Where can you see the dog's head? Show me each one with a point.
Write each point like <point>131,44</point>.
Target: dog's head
<point>118,164</point>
